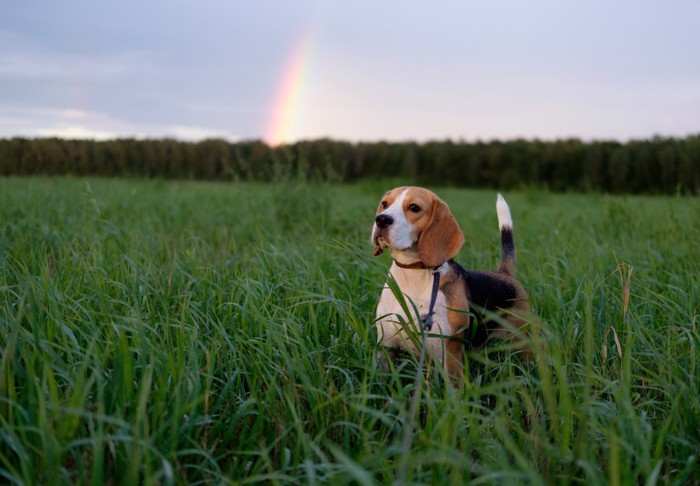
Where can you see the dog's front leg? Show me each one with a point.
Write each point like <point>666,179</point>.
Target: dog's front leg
<point>454,362</point>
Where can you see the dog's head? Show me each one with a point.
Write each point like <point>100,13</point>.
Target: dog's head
<point>416,223</point>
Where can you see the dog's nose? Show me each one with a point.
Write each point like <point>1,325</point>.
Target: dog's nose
<point>383,220</point>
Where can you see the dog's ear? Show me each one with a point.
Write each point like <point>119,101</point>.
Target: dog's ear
<point>442,238</point>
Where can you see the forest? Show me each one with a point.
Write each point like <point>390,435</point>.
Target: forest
<point>659,165</point>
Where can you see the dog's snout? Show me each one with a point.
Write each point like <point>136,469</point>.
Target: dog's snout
<point>383,220</point>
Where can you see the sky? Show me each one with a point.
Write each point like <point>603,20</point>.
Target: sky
<point>360,70</point>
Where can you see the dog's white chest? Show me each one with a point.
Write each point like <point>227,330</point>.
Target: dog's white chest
<point>416,287</point>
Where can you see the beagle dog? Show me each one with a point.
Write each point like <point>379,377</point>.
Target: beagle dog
<point>471,307</point>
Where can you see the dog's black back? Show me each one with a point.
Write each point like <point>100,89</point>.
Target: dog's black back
<point>488,293</point>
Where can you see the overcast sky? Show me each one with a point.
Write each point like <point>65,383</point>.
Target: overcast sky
<point>392,70</point>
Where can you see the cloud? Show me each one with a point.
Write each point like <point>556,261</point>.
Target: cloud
<point>70,122</point>
<point>187,71</point>
<point>192,133</point>
<point>66,123</point>
<point>92,93</point>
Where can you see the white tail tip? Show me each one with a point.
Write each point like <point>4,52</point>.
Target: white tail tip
<point>504,219</point>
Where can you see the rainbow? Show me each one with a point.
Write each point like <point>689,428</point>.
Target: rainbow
<point>283,125</point>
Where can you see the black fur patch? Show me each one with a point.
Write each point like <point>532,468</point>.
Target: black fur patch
<point>487,293</point>
<point>488,290</point>
<point>507,244</point>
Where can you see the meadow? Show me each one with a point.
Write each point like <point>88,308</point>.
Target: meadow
<point>159,332</point>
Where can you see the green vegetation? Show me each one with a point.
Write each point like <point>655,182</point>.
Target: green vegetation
<point>656,166</point>
<point>186,332</point>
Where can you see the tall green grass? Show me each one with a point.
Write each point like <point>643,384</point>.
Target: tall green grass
<point>189,333</point>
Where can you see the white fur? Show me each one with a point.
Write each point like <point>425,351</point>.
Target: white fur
<point>504,219</point>
<point>416,286</point>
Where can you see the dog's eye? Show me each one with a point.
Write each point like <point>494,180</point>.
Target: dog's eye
<point>414,208</point>
<point>385,204</point>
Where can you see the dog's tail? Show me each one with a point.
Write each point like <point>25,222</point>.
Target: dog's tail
<point>505,223</point>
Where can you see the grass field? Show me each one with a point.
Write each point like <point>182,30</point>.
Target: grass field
<point>177,332</point>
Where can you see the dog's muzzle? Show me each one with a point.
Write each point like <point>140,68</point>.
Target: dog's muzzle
<point>379,235</point>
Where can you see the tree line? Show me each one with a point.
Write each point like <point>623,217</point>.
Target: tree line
<point>656,166</point>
